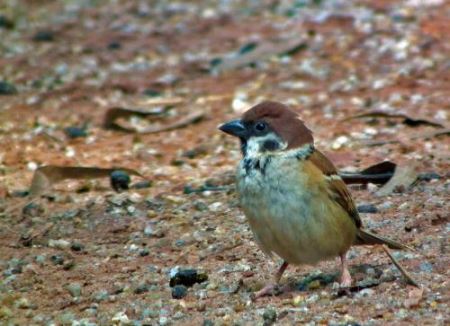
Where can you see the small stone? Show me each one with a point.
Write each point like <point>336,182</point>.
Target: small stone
<point>5,22</point>
<point>101,295</point>
<point>367,208</point>
<point>208,322</point>
<point>44,36</point>
<point>121,318</point>
<point>187,277</point>
<point>23,303</point>
<point>426,267</point>
<point>144,252</point>
<point>7,88</point>
<point>74,289</point>
<point>40,259</point>
<point>269,316</point>
<point>75,132</point>
<point>120,180</point>
<point>179,291</point>
<point>76,246</point>
<point>59,244</point>
<point>57,259</point>
<point>142,288</point>
<point>142,184</point>
<point>5,312</point>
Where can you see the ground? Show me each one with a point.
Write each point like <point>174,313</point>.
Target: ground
<point>82,254</point>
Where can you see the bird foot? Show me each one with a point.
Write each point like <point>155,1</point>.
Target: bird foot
<point>268,290</point>
<point>346,279</point>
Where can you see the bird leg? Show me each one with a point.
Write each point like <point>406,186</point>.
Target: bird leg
<point>346,279</point>
<point>270,288</point>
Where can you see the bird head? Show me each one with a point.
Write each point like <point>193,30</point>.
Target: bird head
<point>269,127</point>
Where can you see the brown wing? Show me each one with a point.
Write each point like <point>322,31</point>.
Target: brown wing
<point>338,189</point>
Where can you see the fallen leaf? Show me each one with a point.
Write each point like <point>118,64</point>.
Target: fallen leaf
<point>379,173</point>
<point>45,176</point>
<point>259,52</point>
<point>407,120</point>
<point>109,121</point>
<point>404,176</point>
<point>111,116</point>
<point>414,297</point>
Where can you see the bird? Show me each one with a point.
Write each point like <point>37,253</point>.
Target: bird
<point>297,205</point>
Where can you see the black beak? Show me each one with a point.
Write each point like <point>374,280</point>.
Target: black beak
<point>234,128</point>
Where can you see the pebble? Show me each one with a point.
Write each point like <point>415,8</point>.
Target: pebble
<point>367,208</point>
<point>426,267</point>
<point>101,295</point>
<point>142,288</point>
<point>7,88</point>
<point>74,289</point>
<point>44,36</point>
<point>57,259</point>
<point>179,291</point>
<point>269,316</point>
<point>76,246</point>
<point>120,180</point>
<point>59,244</point>
<point>186,277</point>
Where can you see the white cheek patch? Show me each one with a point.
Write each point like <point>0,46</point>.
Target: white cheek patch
<point>255,145</point>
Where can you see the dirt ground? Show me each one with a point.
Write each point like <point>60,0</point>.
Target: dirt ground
<point>79,253</point>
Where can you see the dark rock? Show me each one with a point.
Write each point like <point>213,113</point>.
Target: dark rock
<point>269,316</point>
<point>76,246</point>
<point>179,291</point>
<point>428,176</point>
<point>44,36</point>
<point>57,259</point>
<point>426,267</point>
<point>187,277</point>
<point>142,184</point>
<point>75,132</point>
<point>20,193</point>
<point>5,22</point>
<point>120,180</point>
<point>152,92</point>
<point>7,88</point>
<point>142,288</point>
<point>114,45</point>
<point>144,252</point>
<point>208,322</point>
<point>367,208</point>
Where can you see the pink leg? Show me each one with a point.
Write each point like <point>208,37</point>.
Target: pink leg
<point>270,288</point>
<point>346,279</point>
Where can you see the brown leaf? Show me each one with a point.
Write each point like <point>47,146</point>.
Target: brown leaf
<point>414,297</point>
<point>262,51</point>
<point>404,177</point>
<point>407,120</point>
<point>45,176</point>
<point>113,114</point>
<point>379,173</point>
<point>109,121</point>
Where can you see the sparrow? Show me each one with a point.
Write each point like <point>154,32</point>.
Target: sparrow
<point>297,205</point>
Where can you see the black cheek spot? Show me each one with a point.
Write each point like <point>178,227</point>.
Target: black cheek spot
<point>271,145</point>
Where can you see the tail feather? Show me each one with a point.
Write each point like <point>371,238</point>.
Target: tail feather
<point>365,237</point>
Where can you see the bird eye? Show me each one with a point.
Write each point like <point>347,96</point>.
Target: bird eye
<point>260,126</point>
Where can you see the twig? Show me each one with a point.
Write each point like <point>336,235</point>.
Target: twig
<point>405,274</point>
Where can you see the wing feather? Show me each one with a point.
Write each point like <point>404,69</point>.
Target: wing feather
<point>338,188</point>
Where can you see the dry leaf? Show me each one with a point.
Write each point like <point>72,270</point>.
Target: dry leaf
<point>113,114</point>
<point>404,177</point>
<point>379,173</point>
<point>407,120</point>
<point>45,176</point>
<point>414,297</point>
<point>262,51</point>
<point>109,121</point>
